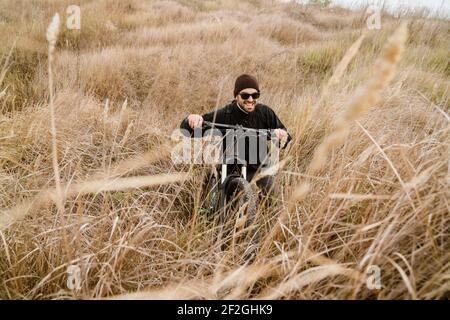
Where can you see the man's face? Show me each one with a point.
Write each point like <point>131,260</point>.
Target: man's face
<point>245,100</point>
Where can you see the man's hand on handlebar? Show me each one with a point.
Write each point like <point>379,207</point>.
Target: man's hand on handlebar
<point>195,120</point>
<point>282,137</point>
<point>280,134</point>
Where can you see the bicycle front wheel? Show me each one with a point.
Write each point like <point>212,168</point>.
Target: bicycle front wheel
<point>237,219</point>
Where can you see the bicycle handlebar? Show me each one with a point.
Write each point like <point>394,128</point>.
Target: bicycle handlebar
<point>268,132</point>
<point>236,127</point>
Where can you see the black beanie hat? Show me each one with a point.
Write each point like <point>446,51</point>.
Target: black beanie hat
<point>245,81</point>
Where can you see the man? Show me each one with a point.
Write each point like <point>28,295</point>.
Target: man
<point>245,111</point>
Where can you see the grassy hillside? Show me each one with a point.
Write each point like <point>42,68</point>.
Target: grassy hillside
<point>366,181</point>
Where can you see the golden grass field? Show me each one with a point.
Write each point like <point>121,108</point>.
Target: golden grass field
<point>86,178</point>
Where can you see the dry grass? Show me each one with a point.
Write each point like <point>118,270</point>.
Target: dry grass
<point>365,181</point>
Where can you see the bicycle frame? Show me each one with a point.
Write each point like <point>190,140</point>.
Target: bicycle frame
<point>243,165</point>
<point>225,168</point>
<point>226,126</point>
<point>246,198</point>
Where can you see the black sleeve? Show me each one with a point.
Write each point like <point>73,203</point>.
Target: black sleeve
<point>273,121</point>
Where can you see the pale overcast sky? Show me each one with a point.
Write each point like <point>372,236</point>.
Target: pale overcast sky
<point>439,8</point>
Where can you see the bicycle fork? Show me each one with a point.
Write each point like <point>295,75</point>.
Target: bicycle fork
<point>224,172</point>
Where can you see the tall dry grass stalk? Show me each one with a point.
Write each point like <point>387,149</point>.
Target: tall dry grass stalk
<point>381,201</point>
<point>137,162</point>
<point>340,69</point>
<point>230,284</point>
<point>305,278</point>
<point>52,38</point>
<point>345,61</point>
<point>46,197</point>
<point>5,67</point>
<point>366,97</point>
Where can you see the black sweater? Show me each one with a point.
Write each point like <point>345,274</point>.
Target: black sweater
<point>263,117</point>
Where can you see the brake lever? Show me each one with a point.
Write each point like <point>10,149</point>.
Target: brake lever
<point>288,140</point>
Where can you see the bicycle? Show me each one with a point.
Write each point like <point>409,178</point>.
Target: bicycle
<point>230,192</point>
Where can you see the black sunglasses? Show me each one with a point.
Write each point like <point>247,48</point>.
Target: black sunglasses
<point>245,95</point>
